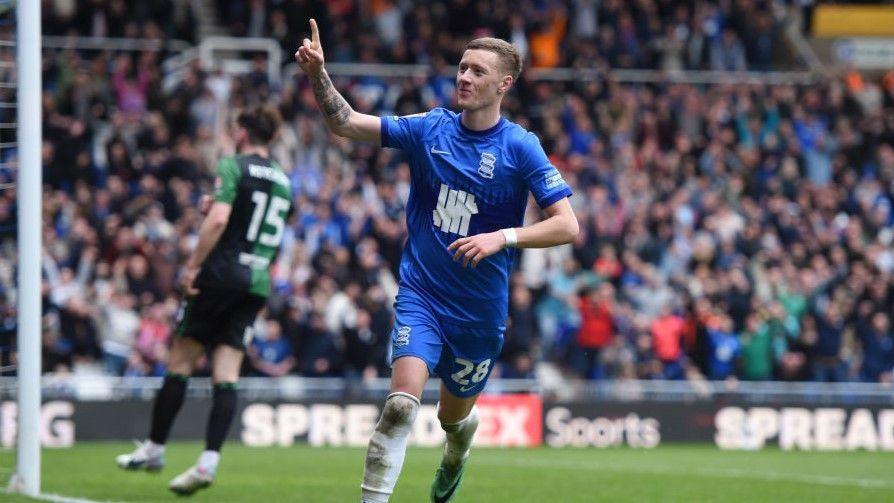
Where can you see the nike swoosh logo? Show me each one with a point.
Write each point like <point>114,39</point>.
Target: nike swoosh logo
<point>463,389</point>
<point>447,495</point>
<point>436,151</point>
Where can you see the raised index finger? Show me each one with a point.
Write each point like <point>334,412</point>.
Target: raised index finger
<point>314,32</point>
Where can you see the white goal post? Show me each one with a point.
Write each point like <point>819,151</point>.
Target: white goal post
<point>28,61</point>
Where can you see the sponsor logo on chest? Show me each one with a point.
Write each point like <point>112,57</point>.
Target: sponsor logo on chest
<point>454,210</point>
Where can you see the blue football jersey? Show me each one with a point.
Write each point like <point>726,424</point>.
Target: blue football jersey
<point>464,183</point>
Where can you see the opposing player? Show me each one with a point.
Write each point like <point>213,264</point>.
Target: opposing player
<point>226,282</point>
<point>471,174</point>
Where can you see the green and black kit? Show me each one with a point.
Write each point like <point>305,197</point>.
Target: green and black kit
<point>235,278</point>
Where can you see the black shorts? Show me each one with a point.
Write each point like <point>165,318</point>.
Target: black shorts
<point>217,317</point>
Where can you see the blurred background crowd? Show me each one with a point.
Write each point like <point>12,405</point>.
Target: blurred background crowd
<point>729,231</point>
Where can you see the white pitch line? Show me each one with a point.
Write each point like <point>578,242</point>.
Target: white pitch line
<point>829,480</point>
<point>63,499</point>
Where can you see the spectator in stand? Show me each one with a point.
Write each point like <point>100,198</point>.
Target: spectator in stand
<point>521,340</point>
<point>878,349</point>
<point>8,331</point>
<point>757,350</point>
<point>830,323</point>
<point>318,355</point>
<point>153,339</point>
<point>118,324</point>
<point>269,353</point>
<point>728,53</point>
<point>667,340</point>
<point>596,306</point>
<point>724,349</point>
<point>546,37</point>
<point>363,347</point>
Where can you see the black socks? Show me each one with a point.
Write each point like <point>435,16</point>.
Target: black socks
<point>167,403</point>
<point>223,409</point>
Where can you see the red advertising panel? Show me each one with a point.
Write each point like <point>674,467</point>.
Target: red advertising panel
<point>510,421</point>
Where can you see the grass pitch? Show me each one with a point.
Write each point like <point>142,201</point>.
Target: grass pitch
<point>322,475</point>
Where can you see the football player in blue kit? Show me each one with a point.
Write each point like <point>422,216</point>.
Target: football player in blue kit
<point>471,175</point>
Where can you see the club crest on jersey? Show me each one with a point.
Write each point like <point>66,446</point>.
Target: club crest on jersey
<point>486,165</point>
<point>402,338</point>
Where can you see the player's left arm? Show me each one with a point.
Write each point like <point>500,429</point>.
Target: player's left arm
<point>209,234</point>
<point>559,227</point>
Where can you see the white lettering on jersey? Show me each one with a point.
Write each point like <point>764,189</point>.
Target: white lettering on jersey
<point>267,173</point>
<point>486,165</point>
<point>454,211</point>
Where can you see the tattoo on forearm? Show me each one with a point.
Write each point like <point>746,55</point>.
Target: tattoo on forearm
<point>332,103</point>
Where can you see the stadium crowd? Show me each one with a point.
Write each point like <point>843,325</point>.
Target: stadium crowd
<point>728,230</point>
<point>666,34</point>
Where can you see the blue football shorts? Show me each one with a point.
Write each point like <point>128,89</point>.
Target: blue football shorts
<point>461,356</point>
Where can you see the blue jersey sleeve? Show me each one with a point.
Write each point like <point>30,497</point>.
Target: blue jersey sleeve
<point>402,132</point>
<point>541,177</point>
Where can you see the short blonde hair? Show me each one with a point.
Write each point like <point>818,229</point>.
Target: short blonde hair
<point>506,52</point>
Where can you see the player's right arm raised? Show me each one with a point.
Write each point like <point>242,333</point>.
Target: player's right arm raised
<point>340,117</point>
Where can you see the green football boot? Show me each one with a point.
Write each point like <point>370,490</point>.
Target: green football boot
<point>447,482</point>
